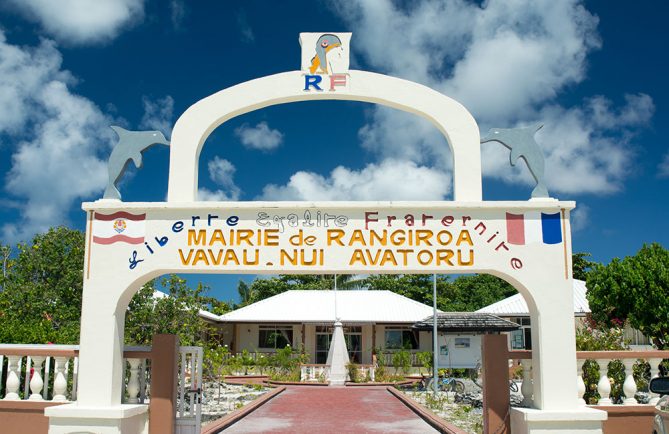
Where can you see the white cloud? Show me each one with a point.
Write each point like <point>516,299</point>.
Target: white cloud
<point>62,138</point>
<point>177,13</point>
<point>158,115</point>
<point>244,28</point>
<point>506,61</point>
<point>388,180</point>
<point>260,137</point>
<point>222,172</point>
<point>588,149</point>
<point>580,217</point>
<point>80,22</point>
<point>663,167</point>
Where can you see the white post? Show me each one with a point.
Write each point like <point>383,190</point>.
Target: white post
<point>604,385</point>
<point>654,373</point>
<point>59,380</point>
<point>13,382</point>
<point>36,382</point>
<point>580,385</point>
<point>47,370</point>
<point>133,381</point>
<point>526,388</point>
<point>629,386</point>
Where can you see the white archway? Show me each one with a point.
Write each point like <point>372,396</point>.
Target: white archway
<point>449,116</point>
<point>466,235</point>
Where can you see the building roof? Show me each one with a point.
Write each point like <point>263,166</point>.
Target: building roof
<point>467,322</point>
<point>317,306</point>
<point>205,314</point>
<point>516,306</point>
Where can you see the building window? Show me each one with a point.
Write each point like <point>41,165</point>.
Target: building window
<point>275,337</point>
<point>462,342</point>
<point>521,339</point>
<point>517,341</point>
<point>398,338</point>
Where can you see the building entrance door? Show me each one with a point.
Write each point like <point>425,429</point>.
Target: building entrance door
<point>353,337</point>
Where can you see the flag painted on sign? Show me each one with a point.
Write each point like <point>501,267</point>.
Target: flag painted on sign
<point>119,227</point>
<point>533,227</point>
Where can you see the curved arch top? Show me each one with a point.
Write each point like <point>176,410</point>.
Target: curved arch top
<point>449,116</point>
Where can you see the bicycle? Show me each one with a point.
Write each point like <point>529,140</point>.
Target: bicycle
<point>513,386</point>
<point>445,384</point>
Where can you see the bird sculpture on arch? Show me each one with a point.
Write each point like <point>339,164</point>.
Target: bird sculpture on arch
<point>521,143</point>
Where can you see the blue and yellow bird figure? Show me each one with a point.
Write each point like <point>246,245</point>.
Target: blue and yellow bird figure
<point>324,44</point>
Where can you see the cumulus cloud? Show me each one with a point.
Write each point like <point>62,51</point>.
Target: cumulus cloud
<point>507,62</point>
<point>222,172</point>
<point>80,22</point>
<point>62,138</point>
<point>158,114</point>
<point>588,149</point>
<point>260,137</point>
<point>388,180</point>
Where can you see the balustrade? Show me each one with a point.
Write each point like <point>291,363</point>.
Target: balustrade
<point>603,361</point>
<point>47,370</point>
<point>314,372</point>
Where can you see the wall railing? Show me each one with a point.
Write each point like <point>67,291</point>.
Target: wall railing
<point>637,367</point>
<point>50,373</point>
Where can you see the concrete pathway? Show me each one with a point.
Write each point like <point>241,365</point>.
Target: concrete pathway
<point>333,410</point>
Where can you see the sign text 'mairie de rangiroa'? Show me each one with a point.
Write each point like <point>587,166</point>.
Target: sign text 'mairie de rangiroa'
<point>326,238</point>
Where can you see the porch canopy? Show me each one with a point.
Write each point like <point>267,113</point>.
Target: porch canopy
<point>467,322</point>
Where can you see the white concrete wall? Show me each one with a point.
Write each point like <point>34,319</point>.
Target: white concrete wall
<point>424,341</point>
<point>459,357</point>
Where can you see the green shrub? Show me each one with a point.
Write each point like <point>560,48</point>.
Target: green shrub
<point>402,361</point>
<point>353,372</point>
<point>425,360</point>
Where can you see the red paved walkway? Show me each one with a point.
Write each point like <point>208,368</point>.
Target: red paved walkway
<point>333,410</point>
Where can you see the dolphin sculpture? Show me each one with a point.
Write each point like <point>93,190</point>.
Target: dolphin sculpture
<point>130,146</point>
<point>324,44</point>
<point>522,144</point>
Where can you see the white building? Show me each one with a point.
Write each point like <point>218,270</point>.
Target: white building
<point>371,319</point>
<point>515,309</point>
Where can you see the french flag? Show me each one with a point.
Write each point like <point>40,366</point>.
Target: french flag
<point>533,227</point>
<point>119,227</point>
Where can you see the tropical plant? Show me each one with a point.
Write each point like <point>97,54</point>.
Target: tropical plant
<point>634,289</point>
<point>353,372</point>
<point>425,360</point>
<point>402,361</point>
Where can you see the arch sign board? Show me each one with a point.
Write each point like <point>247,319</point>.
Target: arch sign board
<point>527,243</point>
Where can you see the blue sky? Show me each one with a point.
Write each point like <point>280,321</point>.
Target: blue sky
<point>593,72</point>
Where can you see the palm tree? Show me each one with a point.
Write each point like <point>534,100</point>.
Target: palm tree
<point>350,281</point>
<point>244,292</point>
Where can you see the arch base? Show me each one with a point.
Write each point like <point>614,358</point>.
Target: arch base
<point>531,420</point>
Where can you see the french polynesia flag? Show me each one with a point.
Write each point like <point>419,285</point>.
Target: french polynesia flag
<point>533,227</point>
<point>119,227</point>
